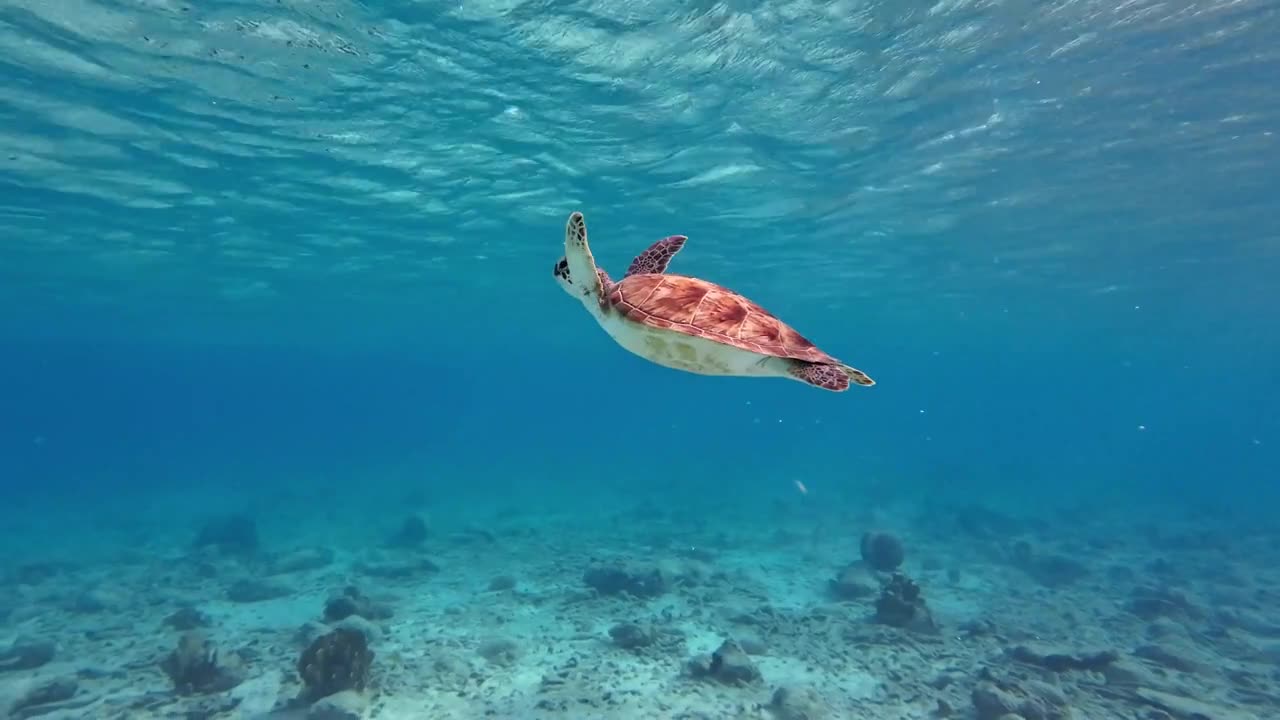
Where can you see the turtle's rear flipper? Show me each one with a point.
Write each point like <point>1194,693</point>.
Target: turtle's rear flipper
<point>857,376</point>
<point>829,376</point>
<point>657,257</point>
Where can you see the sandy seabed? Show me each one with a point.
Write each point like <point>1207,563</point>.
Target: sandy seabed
<point>776,613</point>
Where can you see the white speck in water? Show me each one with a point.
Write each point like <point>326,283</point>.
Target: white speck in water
<point>1142,427</point>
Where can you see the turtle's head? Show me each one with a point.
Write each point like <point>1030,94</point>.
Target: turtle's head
<point>563,279</point>
<point>586,293</point>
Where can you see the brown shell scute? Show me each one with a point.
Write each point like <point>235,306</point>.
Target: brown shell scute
<point>703,309</point>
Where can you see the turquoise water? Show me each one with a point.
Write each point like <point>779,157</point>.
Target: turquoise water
<point>294,259</point>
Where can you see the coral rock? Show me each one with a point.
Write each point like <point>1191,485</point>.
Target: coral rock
<point>334,662</point>
<point>195,668</point>
<point>901,605</point>
<point>729,664</point>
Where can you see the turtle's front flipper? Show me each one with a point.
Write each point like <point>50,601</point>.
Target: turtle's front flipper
<point>655,259</point>
<point>582,266</point>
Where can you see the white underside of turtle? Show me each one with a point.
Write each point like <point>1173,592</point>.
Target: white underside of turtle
<point>688,353</point>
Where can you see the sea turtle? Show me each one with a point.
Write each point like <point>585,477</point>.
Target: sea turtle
<point>690,324</point>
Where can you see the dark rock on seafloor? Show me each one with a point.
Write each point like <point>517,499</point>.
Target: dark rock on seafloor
<point>882,552</point>
<point>854,582</point>
<point>502,583</point>
<point>26,655</point>
<point>398,570</point>
<point>187,618</point>
<point>352,602</point>
<point>1060,661</point>
<point>630,636</point>
<point>1150,603</point>
<point>729,664</point>
<point>195,667</point>
<point>251,590</point>
<point>43,698</point>
<point>619,580</point>
<point>798,704</point>
<point>412,533</point>
<point>232,534</point>
<point>300,560</point>
<point>995,699</point>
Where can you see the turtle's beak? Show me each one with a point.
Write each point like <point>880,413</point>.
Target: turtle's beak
<point>561,270</point>
<point>561,273</point>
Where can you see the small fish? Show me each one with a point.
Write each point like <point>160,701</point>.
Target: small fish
<point>800,486</point>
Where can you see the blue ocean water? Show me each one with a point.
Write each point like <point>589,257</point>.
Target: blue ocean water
<point>292,260</point>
